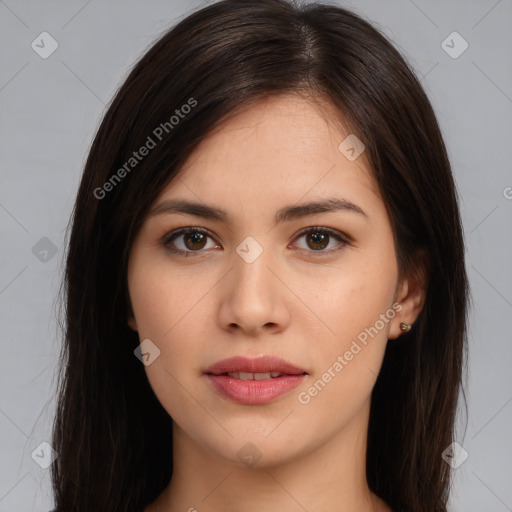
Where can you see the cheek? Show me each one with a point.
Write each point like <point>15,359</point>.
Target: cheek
<point>160,297</point>
<point>354,298</point>
<point>357,306</point>
<point>169,308</point>
<point>162,305</point>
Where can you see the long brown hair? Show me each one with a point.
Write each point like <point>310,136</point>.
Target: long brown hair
<point>112,436</point>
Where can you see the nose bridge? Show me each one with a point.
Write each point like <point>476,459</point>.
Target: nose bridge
<point>251,274</point>
<point>252,293</point>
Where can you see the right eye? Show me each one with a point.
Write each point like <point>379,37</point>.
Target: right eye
<point>193,240</point>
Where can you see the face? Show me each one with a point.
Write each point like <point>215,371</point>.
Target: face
<point>258,277</point>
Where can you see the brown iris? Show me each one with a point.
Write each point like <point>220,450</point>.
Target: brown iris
<point>319,240</point>
<point>198,240</point>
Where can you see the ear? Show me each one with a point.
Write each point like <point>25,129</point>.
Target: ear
<point>132,323</point>
<point>411,295</point>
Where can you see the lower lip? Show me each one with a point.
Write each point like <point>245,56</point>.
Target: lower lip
<point>254,392</point>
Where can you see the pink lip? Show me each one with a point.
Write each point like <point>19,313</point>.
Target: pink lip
<point>254,392</point>
<point>260,365</point>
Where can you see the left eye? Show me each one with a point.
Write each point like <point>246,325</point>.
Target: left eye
<point>193,240</point>
<point>318,239</point>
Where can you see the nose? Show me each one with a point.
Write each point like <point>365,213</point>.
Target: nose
<point>254,298</point>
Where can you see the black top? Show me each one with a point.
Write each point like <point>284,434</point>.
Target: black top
<point>55,510</point>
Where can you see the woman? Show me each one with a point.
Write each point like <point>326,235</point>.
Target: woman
<point>265,284</point>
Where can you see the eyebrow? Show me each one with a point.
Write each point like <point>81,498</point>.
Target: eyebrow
<point>286,213</point>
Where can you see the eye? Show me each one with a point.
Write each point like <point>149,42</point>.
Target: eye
<point>318,238</point>
<point>193,240</point>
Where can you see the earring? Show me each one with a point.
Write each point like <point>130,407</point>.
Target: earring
<point>405,327</point>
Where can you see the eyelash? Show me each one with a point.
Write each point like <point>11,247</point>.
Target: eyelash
<point>170,237</point>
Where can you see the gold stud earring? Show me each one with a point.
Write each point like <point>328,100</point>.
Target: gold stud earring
<point>405,327</point>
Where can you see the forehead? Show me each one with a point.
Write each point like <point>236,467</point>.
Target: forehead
<point>280,147</point>
<point>284,125</point>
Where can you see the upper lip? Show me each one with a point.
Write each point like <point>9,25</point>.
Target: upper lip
<point>262,364</point>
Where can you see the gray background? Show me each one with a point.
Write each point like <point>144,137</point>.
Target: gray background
<point>50,109</point>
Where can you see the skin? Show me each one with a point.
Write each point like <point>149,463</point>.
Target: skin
<point>294,302</point>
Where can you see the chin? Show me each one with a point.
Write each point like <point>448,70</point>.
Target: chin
<point>255,450</point>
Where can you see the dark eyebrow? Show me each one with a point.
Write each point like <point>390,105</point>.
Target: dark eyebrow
<point>284,214</point>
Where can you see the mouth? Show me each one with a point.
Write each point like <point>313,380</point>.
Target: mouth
<point>254,376</point>
<point>254,381</point>
<point>264,367</point>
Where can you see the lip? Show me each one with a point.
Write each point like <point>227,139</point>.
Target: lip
<point>254,392</point>
<point>259,365</point>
